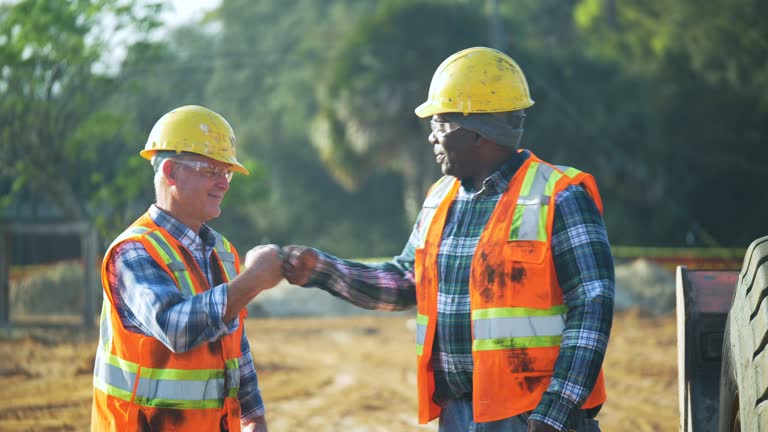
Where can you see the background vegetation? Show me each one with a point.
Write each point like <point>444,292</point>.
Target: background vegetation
<point>664,102</point>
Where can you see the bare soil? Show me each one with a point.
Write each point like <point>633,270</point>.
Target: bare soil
<point>329,374</point>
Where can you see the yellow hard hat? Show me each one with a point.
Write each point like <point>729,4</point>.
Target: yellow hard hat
<point>194,129</point>
<point>476,80</point>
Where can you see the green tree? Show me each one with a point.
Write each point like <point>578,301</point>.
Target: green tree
<point>381,72</point>
<point>57,142</point>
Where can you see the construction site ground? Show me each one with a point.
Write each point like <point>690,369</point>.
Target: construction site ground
<point>329,374</point>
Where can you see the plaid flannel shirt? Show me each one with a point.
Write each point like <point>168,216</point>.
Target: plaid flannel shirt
<point>149,303</point>
<point>584,266</point>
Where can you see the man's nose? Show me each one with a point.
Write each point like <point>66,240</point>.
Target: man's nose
<point>432,139</point>
<point>222,182</point>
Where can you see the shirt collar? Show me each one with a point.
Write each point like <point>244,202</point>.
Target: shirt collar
<point>181,232</point>
<point>497,182</point>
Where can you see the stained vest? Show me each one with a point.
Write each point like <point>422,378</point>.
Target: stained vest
<point>139,384</point>
<point>516,302</point>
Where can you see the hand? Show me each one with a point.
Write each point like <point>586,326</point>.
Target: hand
<point>298,264</point>
<point>537,426</point>
<point>264,262</point>
<point>258,425</point>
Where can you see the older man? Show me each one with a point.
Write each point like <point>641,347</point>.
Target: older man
<point>508,263</point>
<point>173,355</point>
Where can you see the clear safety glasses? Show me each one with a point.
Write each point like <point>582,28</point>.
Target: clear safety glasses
<point>206,169</point>
<point>441,129</point>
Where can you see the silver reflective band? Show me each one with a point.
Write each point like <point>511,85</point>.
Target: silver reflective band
<point>113,375</point>
<point>529,227</point>
<point>514,327</point>
<point>130,232</point>
<point>531,200</point>
<point>212,389</point>
<point>421,333</point>
<point>227,258</point>
<point>428,209</point>
<point>174,263</point>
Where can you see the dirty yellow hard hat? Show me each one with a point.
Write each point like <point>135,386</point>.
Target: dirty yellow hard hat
<point>194,129</point>
<point>476,80</point>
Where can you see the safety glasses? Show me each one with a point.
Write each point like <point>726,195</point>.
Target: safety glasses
<point>441,129</point>
<point>206,169</point>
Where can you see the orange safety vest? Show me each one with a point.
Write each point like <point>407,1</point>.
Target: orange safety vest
<point>139,384</point>
<point>516,302</point>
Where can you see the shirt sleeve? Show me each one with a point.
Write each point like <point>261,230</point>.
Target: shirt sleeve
<point>584,266</point>
<point>386,286</point>
<point>148,302</point>
<point>251,403</point>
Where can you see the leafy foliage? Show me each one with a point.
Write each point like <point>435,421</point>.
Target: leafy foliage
<point>663,101</point>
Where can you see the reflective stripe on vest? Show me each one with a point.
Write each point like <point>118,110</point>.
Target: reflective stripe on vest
<point>530,218</point>
<point>166,388</point>
<point>568,171</point>
<point>130,232</point>
<point>421,332</point>
<point>224,251</point>
<point>517,327</point>
<point>173,261</point>
<point>437,193</point>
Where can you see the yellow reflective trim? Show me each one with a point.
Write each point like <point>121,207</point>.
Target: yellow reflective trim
<point>179,404</point>
<point>182,374</point>
<point>529,177</point>
<point>517,221</point>
<point>120,363</point>
<point>512,343</point>
<point>541,233</point>
<point>160,250</point>
<point>551,182</point>
<point>232,363</point>
<point>516,312</point>
<point>184,274</point>
<point>227,244</point>
<point>422,319</point>
<point>111,390</point>
<point>572,172</point>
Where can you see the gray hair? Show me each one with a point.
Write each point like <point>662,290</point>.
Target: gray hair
<point>158,160</point>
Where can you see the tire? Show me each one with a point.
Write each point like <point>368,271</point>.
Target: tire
<point>744,372</point>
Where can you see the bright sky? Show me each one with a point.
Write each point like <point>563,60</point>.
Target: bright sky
<point>181,11</point>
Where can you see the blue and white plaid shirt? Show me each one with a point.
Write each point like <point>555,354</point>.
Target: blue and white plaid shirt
<point>584,266</point>
<point>149,303</point>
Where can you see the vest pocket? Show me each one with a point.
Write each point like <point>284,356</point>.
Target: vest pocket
<point>528,273</point>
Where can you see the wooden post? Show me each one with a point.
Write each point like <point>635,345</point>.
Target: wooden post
<point>5,278</point>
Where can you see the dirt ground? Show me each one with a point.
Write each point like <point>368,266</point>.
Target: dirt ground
<point>330,374</point>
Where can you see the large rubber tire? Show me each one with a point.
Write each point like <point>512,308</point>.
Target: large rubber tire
<point>744,371</point>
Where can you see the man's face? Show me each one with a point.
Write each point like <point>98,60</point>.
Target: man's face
<point>453,147</point>
<point>200,186</point>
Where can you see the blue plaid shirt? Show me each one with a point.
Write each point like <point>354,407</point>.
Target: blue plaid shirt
<point>584,267</point>
<point>149,303</point>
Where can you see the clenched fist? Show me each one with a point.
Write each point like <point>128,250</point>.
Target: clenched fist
<point>264,263</point>
<point>298,263</point>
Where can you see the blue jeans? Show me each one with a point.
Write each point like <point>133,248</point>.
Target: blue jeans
<point>457,417</point>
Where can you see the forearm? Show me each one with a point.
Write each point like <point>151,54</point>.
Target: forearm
<point>582,351</point>
<point>382,286</point>
<point>149,302</point>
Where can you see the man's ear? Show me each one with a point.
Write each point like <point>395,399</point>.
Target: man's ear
<point>170,175</point>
